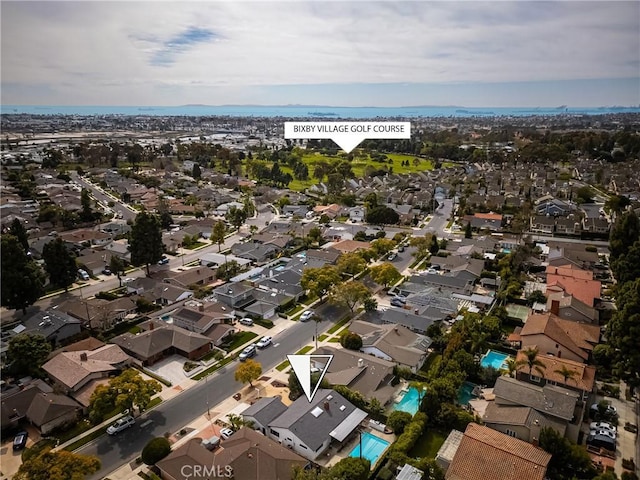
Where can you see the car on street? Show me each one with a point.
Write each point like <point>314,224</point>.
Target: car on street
<point>248,352</point>
<point>392,256</point>
<point>83,275</point>
<point>609,411</point>
<point>226,433</point>
<point>306,316</point>
<point>246,321</point>
<point>106,271</point>
<point>163,261</point>
<point>396,303</point>
<point>264,342</point>
<point>603,426</point>
<point>120,425</point>
<point>128,280</point>
<point>400,298</point>
<point>20,441</point>
<point>401,248</point>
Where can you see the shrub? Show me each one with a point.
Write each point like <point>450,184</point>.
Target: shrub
<point>398,420</point>
<point>155,450</point>
<point>351,340</point>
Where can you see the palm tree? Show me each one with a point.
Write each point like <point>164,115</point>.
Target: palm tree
<point>478,341</point>
<point>532,361</point>
<point>237,422</point>
<point>566,373</point>
<point>512,366</point>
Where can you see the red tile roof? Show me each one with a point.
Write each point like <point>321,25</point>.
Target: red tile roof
<point>584,290</point>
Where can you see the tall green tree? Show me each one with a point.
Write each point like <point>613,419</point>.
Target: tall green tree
<point>124,392</point>
<point>26,353</point>
<point>434,247</point>
<point>318,281</point>
<point>351,263</point>
<point>217,233</point>
<point>59,263</point>
<point>17,230</point>
<point>385,274</point>
<point>236,216</point>
<point>86,214</point>
<point>196,172</point>
<point>349,294</point>
<point>468,233</point>
<point>59,465</point>
<point>623,332</point>
<point>568,460</point>
<point>625,232</point>
<point>626,267</point>
<point>145,240</point>
<point>22,279</point>
<point>117,266</point>
<point>532,362</point>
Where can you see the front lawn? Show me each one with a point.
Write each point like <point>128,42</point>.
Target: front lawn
<point>338,325</point>
<point>428,445</point>
<point>239,339</point>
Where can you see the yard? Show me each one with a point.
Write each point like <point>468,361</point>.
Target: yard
<point>239,339</point>
<point>428,445</point>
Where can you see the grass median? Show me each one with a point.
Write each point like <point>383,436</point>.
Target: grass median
<point>338,325</point>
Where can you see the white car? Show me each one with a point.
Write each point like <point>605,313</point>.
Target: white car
<point>603,426</point>
<point>248,352</point>
<point>264,342</point>
<point>603,433</point>
<point>120,425</point>
<point>226,433</point>
<point>306,316</point>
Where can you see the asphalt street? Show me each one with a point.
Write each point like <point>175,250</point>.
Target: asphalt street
<point>172,415</point>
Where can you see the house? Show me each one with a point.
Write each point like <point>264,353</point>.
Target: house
<point>451,283</point>
<point>191,276</point>
<point>596,225</point>
<point>568,225</point>
<point>393,343</point>
<point>200,321</point>
<point>73,370</point>
<point>559,337</point>
<point>85,237</point>
<point>485,221</point>
<point>327,256</point>
<point>247,455</point>
<point>570,308</point>
<point>522,409</point>
<point>331,211</point>
<point>53,325</point>
<point>157,292</point>
<point>572,281</point>
<point>486,454</point>
<point>581,380</point>
<point>160,340</point>
<point>447,451</point>
<point>35,402</point>
<point>543,224</point>
<point>553,207</point>
<point>263,412</point>
<point>295,210</point>
<point>94,262</point>
<point>309,428</point>
<point>235,294</point>
<point>578,257</point>
<point>369,375</point>
<point>258,253</point>
<point>119,248</point>
<point>357,214</point>
<point>98,313</point>
<point>348,246</point>
<point>412,319</point>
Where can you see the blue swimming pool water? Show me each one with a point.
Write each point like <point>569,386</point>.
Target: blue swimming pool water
<point>372,448</point>
<point>466,393</point>
<point>409,402</point>
<point>494,359</point>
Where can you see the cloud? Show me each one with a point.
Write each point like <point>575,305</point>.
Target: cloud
<point>111,52</point>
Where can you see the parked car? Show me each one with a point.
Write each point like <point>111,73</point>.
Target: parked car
<point>400,298</point>
<point>401,248</point>
<point>120,425</point>
<point>392,256</point>
<point>226,433</point>
<point>604,433</point>
<point>20,441</point>
<point>163,261</point>
<point>603,426</point>
<point>601,441</point>
<point>246,321</point>
<point>264,342</point>
<point>306,316</point>
<point>106,271</point>
<point>609,411</point>
<point>396,303</point>
<point>83,275</point>
<point>248,352</point>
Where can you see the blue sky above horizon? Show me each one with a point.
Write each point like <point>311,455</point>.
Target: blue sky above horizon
<point>474,54</point>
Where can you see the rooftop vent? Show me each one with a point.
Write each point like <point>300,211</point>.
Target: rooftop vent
<point>329,397</point>
<point>342,408</point>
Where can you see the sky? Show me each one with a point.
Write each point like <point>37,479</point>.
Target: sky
<point>338,53</point>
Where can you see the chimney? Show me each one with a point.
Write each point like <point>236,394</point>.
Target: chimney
<point>555,307</point>
<point>83,357</point>
<point>396,330</point>
<point>326,406</point>
<point>360,363</point>
<point>151,325</point>
<point>416,311</point>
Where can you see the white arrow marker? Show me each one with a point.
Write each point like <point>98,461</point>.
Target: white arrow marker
<point>301,365</point>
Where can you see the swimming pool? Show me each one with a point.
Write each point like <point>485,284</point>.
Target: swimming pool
<point>410,402</point>
<point>466,393</point>
<point>372,448</point>
<point>494,359</point>
<point>167,318</point>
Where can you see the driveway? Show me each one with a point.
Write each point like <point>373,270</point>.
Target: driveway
<point>170,369</point>
<point>10,461</point>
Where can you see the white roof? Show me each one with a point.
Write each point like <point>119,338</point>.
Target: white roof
<point>343,430</point>
<point>409,472</point>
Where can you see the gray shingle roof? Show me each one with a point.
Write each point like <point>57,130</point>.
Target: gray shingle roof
<point>550,399</point>
<point>265,410</point>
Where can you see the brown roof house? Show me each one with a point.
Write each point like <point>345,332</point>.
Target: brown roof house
<point>247,455</point>
<point>160,340</point>
<point>36,403</point>
<point>73,370</point>
<point>556,336</point>
<point>393,343</point>
<point>485,454</point>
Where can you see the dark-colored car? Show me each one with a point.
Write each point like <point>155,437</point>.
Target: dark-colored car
<point>20,441</point>
<point>106,271</point>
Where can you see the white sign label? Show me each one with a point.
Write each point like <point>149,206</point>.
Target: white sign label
<point>347,135</point>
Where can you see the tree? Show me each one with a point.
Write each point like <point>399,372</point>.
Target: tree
<point>566,373</point>
<point>196,172</point>
<point>17,230</point>
<point>124,392</point>
<point>626,267</point>
<point>351,263</point>
<point>568,460</point>
<point>318,281</point>
<point>617,203</point>
<point>315,235</point>
<point>382,246</point>
<point>145,240</point>
<point>625,232</point>
<point>351,468</point>
<point>155,450</point>
<point>532,362</point>
<point>237,422</point>
<point>295,389</point>
<point>86,214</point>
<point>22,279</point>
<point>385,274</point>
<point>512,366</point>
<point>218,232</point>
<point>398,420</point>
<point>59,465</point>
<point>422,245</point>
<point>370,304</point>
<point>351,340</point>
<point>26,353</point>
<point>236,216</point>
<point>434,247</point>
<point>623,331</point>
<point>382,215</point>
<point>349,294</point>
<point>467,231</point>
<point>117,266</point>
<point>59,263</point>
<point>248,371</point>
<point>536,297</point>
